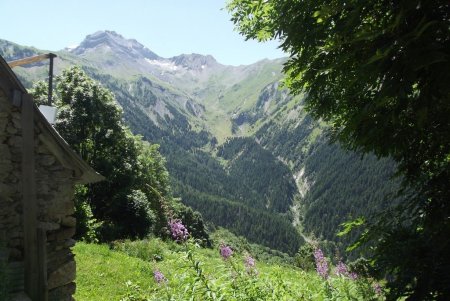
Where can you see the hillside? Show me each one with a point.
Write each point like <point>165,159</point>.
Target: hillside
<point>128,271</point>
<point>239,148</point>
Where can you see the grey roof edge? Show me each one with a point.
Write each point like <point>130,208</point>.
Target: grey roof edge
<point>88,174</point>
<point>12,76</point>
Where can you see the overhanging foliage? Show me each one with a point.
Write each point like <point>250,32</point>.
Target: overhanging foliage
<point>377,71</point>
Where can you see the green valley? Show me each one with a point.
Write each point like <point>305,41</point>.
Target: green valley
<point>239,149</point>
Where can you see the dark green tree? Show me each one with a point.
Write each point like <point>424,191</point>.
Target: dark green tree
<point>131,202</point>
<point>135,199</point>
<point>304,258</point>
<point>377,72</point>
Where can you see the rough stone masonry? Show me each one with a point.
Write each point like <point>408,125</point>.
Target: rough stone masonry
<point>55,179</point>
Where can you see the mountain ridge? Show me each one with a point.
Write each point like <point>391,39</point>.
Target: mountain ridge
<point>110,41</point>
<point>195,112</point>
<point>115,41</point>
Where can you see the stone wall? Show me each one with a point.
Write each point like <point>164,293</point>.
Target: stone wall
<point>55,190</point>
<point>11,226</point>
<point>54,195</point>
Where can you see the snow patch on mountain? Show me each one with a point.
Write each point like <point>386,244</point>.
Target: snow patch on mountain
<point>163,64</point>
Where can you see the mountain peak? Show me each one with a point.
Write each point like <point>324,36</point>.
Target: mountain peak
<point>114,42</point>
<point>194,61</point>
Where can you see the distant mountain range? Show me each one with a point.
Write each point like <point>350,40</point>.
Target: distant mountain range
<point>239,148</point>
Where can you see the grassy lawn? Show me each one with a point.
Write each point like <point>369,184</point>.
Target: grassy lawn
<point>102,273</point>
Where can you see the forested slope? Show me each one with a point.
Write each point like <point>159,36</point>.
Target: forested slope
<point>238,147</point>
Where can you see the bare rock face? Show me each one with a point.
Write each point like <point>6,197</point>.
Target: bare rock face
<point>195,61</point>
<point>114,42</point>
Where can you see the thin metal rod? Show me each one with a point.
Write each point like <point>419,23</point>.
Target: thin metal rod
<point>35,59</point>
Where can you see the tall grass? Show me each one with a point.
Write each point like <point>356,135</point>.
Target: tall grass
<point>127,273</point>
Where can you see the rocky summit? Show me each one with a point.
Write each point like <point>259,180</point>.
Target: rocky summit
<point>110,41</point>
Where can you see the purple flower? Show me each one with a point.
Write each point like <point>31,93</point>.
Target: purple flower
<point>250,265</point>
<point>341,269</point>
<point>249,262</point>
<point>178,230</point>
<point>321,264</point>
<point>225,251</point>
<point>353,276</point>
<point>377,288</point>
<point>159,277</point>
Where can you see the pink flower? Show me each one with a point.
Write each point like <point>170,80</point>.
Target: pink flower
<point>377,288</point>
<point>178,230</point>
<point>353,276</point>
<point>159,277</point>
<point>225,251</point>
<point>250,265</point>
<point>321,264</point>
<point>249,261</point>
<point>341,269</point>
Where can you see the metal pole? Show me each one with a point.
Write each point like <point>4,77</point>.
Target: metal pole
<point>50,79</point>
<point>35,59</point>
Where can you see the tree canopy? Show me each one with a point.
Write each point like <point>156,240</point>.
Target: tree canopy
<point>378,72</point>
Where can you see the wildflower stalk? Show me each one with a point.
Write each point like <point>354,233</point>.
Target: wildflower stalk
<point>161,280</point>
<point>244,281</point>
<point>199,272</point>
<point>321,264</point>
<point>180,234</point>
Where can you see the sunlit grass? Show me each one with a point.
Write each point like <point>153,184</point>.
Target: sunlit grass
<point>103,273</point>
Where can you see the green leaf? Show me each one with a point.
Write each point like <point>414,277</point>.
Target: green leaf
<point>349,226</point>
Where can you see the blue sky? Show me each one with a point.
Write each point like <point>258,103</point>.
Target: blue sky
<point>167,27</point>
